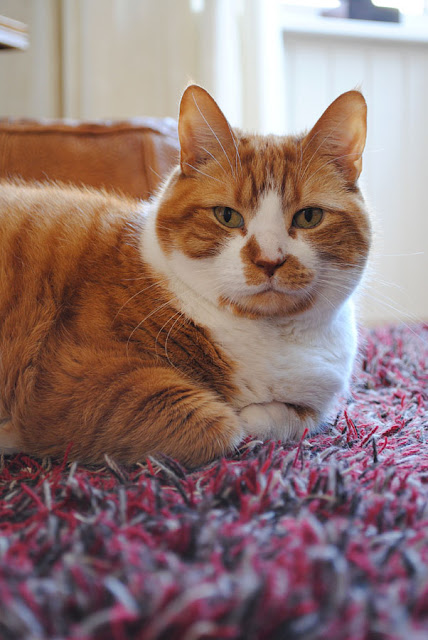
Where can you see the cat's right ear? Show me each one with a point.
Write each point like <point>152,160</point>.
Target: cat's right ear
<point>340,133</point>
<point>203,131</point>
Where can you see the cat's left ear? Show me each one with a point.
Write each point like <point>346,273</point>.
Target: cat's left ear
<point>203,131</point>
<point>341,132</point>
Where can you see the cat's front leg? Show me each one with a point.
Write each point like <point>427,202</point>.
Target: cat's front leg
<point>278,420</point>
<point>106,405</point>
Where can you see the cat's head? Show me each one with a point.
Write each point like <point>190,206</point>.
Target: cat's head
<point>267,225</point>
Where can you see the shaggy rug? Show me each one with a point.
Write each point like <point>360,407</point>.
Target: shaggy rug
<point>322,539</point>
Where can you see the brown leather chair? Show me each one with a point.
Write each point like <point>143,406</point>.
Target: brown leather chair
<point>130,156</point>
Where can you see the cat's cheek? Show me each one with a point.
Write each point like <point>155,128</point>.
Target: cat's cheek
<point>211,277</point>
<point>304,253</point>
<point>230,270</point>
<point>199,275</point>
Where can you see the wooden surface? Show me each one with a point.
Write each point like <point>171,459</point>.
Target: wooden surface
<point>13,34</point>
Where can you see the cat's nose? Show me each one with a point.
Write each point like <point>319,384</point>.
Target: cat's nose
<point>269,266</point>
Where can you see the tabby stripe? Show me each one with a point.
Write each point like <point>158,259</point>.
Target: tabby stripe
<point>179,425</point>
<point>180,345</point>
<point>170,397</point>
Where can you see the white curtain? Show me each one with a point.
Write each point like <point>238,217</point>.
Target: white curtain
<point>124,58</point>
<point>93,59</point>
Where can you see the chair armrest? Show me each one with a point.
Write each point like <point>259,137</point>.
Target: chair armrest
<point>131,157</point>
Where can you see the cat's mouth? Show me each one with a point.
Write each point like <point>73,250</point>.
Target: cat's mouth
<point>271,300</point>
<point>271,286</point>
<point>290,291</point>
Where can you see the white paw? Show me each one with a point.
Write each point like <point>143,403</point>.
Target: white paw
<point>276,420</point>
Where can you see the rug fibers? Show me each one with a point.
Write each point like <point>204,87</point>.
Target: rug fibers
<point>326,538</point>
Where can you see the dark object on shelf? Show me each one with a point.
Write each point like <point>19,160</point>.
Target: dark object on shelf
<point>363,10</point>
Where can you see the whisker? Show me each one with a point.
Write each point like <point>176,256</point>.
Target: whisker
<point>162,306</point>
<point>325,139</point>
<point>156,173</point>
<point>155,284</point>
<point>202,172</point>
<point>167,337</point>
<point>400,255</point>
<point>301,159</point>
<point>326,299</point>
<point>214,133</point>
<point>345,155</point>
<point>215,160</point>
<point>237,155</point>
<point>164,325</point>
<point>308,164</point>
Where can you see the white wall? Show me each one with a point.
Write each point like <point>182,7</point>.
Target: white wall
<point>127,58</point>
<point>30,80</point>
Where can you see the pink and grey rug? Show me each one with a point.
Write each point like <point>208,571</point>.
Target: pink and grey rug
<point>323,539</point>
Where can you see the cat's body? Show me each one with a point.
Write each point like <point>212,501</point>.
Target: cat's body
<point>183,324</point>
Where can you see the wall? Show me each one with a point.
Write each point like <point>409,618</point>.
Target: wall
<point>30,80</point>
<point>99,58</point>
<point>125,59</point>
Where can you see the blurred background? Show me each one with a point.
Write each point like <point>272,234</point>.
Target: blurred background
<point>273,66</point>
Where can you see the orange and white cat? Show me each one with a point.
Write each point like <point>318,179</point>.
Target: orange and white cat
<point>221,308</point>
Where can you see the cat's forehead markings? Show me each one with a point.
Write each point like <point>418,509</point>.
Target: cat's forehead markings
<point>268,163</point>
<point>254,178</point>
<point>336,201</point>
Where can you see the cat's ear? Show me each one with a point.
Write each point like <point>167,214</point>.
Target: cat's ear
<point>340,133</point>
<point>203,131</point>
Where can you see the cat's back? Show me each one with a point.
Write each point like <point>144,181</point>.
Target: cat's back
<point>56,232</point>
<point>41,221</point>
<point>53,239</point>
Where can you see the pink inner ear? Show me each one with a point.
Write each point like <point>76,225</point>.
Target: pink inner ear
<point>354,142</point>
<point>342,130</point>
<point>203,130</point>
<point>352,134</point>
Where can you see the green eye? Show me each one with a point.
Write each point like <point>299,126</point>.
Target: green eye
<point>308,218</point>
<point>229,217</point>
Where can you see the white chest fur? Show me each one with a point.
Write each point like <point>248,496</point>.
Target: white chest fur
<point>284,362</point>
<point>304,361</point>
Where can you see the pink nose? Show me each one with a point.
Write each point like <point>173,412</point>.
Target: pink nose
<point>269,266</point>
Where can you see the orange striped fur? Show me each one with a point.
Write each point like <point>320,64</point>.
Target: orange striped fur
<point>97,348</point>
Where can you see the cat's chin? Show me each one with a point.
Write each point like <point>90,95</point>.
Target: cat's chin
<point>268,303</point>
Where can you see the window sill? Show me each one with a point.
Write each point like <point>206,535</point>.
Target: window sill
<point>356,29</point>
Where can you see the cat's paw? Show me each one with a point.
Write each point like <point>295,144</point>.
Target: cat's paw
<point>211,429</point>
<point>276,420</point>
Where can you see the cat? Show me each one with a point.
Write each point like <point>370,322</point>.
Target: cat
<point>221,308</point>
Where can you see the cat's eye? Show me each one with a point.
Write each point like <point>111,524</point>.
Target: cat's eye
<point>229,217</point>
<point>308,218</point>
